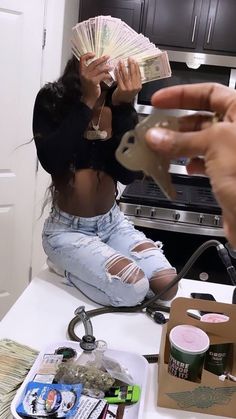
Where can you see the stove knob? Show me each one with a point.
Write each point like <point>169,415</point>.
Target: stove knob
<point>217,220</point>
<point>201,219</point>
<point>176,216</point>
<point>203,276</point>
<point>137,211</point>
<point>153,212</point>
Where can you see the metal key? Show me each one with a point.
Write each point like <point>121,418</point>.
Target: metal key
<point>134,154</point>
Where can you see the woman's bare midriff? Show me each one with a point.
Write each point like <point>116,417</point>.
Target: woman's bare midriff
<point>92,193</point>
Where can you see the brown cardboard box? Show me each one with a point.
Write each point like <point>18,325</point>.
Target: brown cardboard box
<point>210,396</point>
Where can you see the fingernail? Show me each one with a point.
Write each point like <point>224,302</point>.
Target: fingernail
<point>156,136</point>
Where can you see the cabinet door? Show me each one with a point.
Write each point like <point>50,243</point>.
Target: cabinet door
<point>221,28</point>
<point>173,23</point>
<point>127,10</point>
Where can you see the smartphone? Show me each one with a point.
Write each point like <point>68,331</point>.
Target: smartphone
<point>123,394</point>
<point>203,296</point>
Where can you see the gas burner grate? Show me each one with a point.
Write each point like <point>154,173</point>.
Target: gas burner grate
<point>188,195</point>
<point>203,196</point>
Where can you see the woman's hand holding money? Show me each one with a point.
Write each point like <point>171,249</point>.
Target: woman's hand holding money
<point>91,75</point>
<point>128,82</point>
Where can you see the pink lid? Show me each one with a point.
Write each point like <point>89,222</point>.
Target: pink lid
<point>214,318</point>
<point>189,339</point>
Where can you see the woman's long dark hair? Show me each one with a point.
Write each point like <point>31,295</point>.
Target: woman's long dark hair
<point>67,90</point>
<point>70,79</point>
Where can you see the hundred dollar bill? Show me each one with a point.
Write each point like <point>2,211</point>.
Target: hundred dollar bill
<point>155,68</point>
<point>108,35</point>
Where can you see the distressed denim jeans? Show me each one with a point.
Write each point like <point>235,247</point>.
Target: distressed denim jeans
<point>88,249</point>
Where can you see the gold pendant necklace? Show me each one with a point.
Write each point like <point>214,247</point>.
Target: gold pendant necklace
<point>96,133</point>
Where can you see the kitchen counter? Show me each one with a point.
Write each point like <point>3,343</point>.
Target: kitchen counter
<point>42,313</point>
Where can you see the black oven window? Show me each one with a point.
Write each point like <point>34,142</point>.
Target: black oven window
<point>181,74</point>
<point>178,248</point>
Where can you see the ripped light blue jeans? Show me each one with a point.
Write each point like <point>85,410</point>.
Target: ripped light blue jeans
<point>92,250</point>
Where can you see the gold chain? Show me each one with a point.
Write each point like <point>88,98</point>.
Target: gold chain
<point>96,126</point>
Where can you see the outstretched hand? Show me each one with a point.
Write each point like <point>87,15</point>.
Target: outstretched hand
<point>128,82</point>
<point>215,142</point>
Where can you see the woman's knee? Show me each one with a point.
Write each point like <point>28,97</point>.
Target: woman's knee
<point>162,279</point>
<point>129,283</point>
<point>164,273</point>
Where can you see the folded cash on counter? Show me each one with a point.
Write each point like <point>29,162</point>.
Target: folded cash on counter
<point>15,362</point>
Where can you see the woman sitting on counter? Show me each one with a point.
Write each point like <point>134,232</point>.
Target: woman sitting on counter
<point>78,123</point>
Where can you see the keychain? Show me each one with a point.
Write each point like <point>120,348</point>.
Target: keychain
<point>134,153</point>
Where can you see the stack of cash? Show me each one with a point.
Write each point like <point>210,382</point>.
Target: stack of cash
<point>106,35</point>
<point>15,362</point>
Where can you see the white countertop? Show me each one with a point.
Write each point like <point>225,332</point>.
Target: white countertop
<point>42,313</point>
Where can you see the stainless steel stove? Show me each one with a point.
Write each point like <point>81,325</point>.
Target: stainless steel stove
<point>195,210</point>
<point>182,225</point>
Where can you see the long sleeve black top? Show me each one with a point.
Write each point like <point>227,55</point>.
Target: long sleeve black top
<point>59,124</point>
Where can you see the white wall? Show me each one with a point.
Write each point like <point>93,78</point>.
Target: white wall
<point>60,16</point>
<point>71,14</point>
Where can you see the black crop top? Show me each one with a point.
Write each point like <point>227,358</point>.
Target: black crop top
<point>59,124</point>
